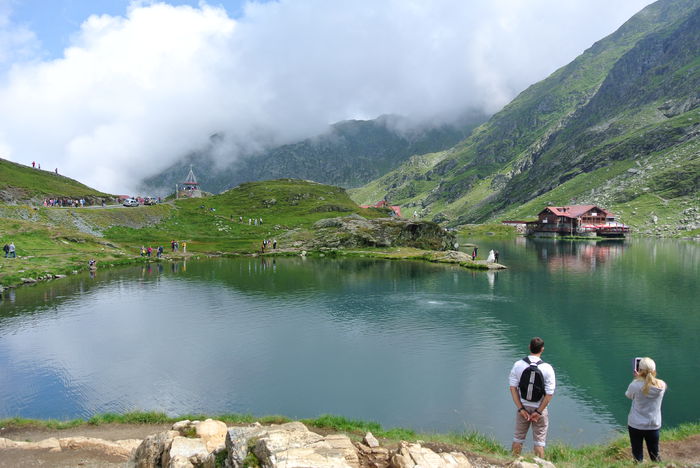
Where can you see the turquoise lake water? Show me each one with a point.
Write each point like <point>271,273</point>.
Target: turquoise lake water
<point>403,343</point>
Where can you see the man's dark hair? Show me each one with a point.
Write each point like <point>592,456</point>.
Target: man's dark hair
<point>536,345</point>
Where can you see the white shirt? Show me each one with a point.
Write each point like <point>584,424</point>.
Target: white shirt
<point>547,372</point>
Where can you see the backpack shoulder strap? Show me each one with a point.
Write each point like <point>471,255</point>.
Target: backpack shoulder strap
<point>527,359</point>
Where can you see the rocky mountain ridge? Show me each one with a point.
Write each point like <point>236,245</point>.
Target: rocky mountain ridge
<point>618,126</point>
<point>348,154</point>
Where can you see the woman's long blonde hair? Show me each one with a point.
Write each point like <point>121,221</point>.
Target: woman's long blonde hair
<point>647,373</point>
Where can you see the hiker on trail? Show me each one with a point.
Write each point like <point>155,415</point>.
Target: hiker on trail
<point>6,249</point>
<point>250,221</point>
<point>532,385</point>
<point>11,250</point>
<point>160,251</point>
<point>33,164</point>
<point>240,219</point>
<point>644,420</point>
<point>56,171</point>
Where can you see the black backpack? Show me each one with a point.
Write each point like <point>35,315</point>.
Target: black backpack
<point>531,382</point>
<point>6,248</point>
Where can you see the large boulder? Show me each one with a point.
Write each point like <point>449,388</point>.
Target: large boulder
<point>356,231</point>
<point>416,456</point>
<point>212,433</point>
<point>154,450</point>
<point>289,445</point>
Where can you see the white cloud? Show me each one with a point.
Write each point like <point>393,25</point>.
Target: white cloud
<point>16,41</point>
<point>134,93</point>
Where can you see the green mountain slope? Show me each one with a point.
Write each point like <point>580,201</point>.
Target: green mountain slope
<point>19,183</point>
<point>349,154</point>
<point>626,108</point>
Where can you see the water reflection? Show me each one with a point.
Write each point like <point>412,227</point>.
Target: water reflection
<point>576,256</point>
<point>405,343</point>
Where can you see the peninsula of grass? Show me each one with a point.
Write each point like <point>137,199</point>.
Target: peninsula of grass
<point>615,453</point>
<point>59,241</point>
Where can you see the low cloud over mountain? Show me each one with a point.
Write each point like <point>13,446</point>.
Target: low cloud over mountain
<point>134,93</point>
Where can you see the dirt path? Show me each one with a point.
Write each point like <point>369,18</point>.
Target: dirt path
<point>685,453</point>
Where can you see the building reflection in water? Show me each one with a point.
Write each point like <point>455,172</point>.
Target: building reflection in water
<point>576,256</point>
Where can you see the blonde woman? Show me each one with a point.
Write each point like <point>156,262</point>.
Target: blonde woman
<point>644,420</point>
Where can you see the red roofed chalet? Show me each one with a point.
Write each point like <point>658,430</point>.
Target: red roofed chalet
<point>587,220</point>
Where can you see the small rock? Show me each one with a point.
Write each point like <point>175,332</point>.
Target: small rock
<point>370,440</point>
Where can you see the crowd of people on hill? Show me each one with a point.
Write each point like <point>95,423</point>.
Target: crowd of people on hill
<point>66,202</point>
<point>37,165</point>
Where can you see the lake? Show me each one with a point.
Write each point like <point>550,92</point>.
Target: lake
<point>403,343</point>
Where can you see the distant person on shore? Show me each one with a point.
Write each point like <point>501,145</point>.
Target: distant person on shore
<point>6,249</point>
<point>532,383</point>
<point>160,251</point>
<point>474,253</point>
<point>56,171</point>
<point>33,164</point>
<point>12,253</point>
<point>644,420</point>
<point>492,257</point>
<point>143,251</point>
<point>149,251</point>
<point>184,247</point>
<point>274,244</point>
<point>496,255</point>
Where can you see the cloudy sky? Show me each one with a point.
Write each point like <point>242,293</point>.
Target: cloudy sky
<point>111,91</point>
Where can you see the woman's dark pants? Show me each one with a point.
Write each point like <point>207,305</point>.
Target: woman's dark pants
<point>652,439</point>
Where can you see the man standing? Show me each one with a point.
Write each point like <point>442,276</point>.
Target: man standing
<point>532,385</point>
<point>11,252</point>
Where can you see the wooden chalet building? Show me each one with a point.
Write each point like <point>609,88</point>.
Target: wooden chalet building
<point>576,220</point>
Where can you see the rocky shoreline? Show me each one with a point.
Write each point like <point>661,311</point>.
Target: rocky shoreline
<point>211,443</point>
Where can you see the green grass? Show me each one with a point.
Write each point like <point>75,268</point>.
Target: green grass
<point>30,183</point>
<point>48,239</point>
<point>495,230</point>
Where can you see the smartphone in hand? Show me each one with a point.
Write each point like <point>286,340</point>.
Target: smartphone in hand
<point>636,364</point>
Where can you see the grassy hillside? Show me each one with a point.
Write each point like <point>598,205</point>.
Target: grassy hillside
<point>22,183</point>
<point>618,123</point>
<point>212,223</point>
<point>61,240</point>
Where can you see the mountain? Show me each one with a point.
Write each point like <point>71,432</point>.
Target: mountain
<point>349,154</point>
<point>618,126</point>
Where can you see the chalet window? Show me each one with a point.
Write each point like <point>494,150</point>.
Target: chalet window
<point>594,214</point>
